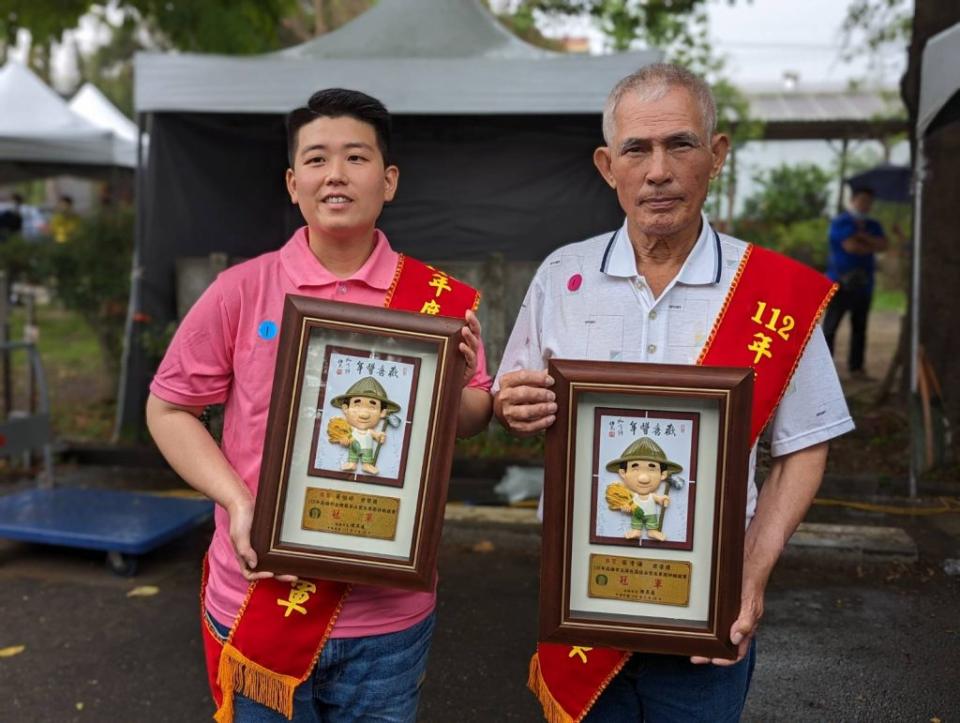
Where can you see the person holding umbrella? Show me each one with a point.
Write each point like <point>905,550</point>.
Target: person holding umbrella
<point>855,238</point>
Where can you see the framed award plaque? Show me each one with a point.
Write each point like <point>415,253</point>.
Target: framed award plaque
<point>359,444</point>
<point>644,506</point>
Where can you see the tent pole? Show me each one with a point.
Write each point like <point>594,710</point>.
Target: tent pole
<point>135,274</point>
<point>913,366</point>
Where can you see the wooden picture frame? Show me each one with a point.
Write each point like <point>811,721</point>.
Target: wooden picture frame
<point>625,587</point>
<point>359,444</point>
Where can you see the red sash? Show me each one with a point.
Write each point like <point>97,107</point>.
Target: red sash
<point>421,288</point>
<point>282,627</point>
<point>766,320</point>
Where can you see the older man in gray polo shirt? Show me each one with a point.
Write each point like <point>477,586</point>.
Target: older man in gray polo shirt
<point>650,292</point>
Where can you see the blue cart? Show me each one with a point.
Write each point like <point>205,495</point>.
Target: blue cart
<point>123,524</point>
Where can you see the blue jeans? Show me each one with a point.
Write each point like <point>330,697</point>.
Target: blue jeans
<point>376,678</point>
<point>671,689</point>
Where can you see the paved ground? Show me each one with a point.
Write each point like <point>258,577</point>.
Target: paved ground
<point>843,639</point>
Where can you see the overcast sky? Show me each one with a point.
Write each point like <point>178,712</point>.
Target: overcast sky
<point>765,39</point>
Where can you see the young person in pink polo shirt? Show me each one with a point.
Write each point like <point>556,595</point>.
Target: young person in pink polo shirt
<point>373,662</point>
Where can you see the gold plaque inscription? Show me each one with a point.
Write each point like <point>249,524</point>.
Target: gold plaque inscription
<point>350,513</point>
<point>663,582</point>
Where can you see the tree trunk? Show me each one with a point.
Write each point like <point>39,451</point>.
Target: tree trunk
<point>939,263</point>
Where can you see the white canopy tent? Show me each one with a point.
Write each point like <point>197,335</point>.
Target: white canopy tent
<point>92,105</point>
<point>939,79</point>
<point>939,103</point>
<point>417,56</point>
<point>40,135</point>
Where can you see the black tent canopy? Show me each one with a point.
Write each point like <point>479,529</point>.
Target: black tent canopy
<point>493,138</point>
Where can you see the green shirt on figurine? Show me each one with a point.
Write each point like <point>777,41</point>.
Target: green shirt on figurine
<point>363,405</point>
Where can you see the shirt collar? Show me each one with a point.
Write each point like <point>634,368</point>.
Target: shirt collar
<point>702,265</point>
<point>305,269</point>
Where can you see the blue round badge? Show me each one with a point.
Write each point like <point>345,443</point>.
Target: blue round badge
<point>267,330</point>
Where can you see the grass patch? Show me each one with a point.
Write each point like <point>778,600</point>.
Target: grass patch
<point>890,300</point>
<point>82,403</point>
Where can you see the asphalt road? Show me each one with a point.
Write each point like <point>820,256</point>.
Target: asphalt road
<point>840,641</point>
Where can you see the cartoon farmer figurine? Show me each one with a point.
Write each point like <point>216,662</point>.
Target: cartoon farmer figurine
<point>364,404</point>
<point>642,467</point>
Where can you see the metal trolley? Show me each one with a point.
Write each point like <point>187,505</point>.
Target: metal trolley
<point>123,524</point>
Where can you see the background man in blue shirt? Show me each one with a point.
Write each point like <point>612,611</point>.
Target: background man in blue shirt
<point>854,239</point>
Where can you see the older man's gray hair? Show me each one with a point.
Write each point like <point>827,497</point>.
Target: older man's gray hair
<point>652,82</point>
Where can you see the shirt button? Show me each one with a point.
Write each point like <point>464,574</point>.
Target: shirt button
<point>341,288</point>
<point>652,315</point>
<point>652,349</point>
<point>639,283</point>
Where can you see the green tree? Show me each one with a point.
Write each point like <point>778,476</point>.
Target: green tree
<point>788,212</point>
<point>91,273</point>
<point>233,27</point>
<point>209,26</point>
<point>658,23</point>
<point>873,27</point>
<point>46,20</point>
<point>787,194</point>
<point>522,22</point>
<point>110,66</point>
<point>311,18</point>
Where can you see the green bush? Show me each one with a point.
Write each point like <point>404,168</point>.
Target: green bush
<point>91,276</point>
<point>25,261</point>
<point>788,194</point>
<point>787,213</point>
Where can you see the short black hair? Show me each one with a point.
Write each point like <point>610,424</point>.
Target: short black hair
<point>857,190</point>
<point>338,103</point>
<point>17,198</point>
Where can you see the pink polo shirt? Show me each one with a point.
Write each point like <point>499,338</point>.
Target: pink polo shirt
<point>224,353</point>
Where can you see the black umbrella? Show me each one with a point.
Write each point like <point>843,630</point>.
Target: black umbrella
<point>888,182</point>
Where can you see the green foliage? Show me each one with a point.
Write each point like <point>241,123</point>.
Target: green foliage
<point>45,19</point>
<point>889,300</point>
<point>25,261</point>
<point>79,392</point>
<point>659,23</point>
<point>804,241</point>
<point>522,22</point>
<point>91,273</point>
<point>238,27</point>
<point>234,27</point>
<point>787,213</point>
<point>154,339</point>
<point>110,66</point>
<point>787,194</point>
<point>872,26</point>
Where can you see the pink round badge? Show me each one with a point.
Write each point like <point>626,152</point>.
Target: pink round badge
<point>573,283</point>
